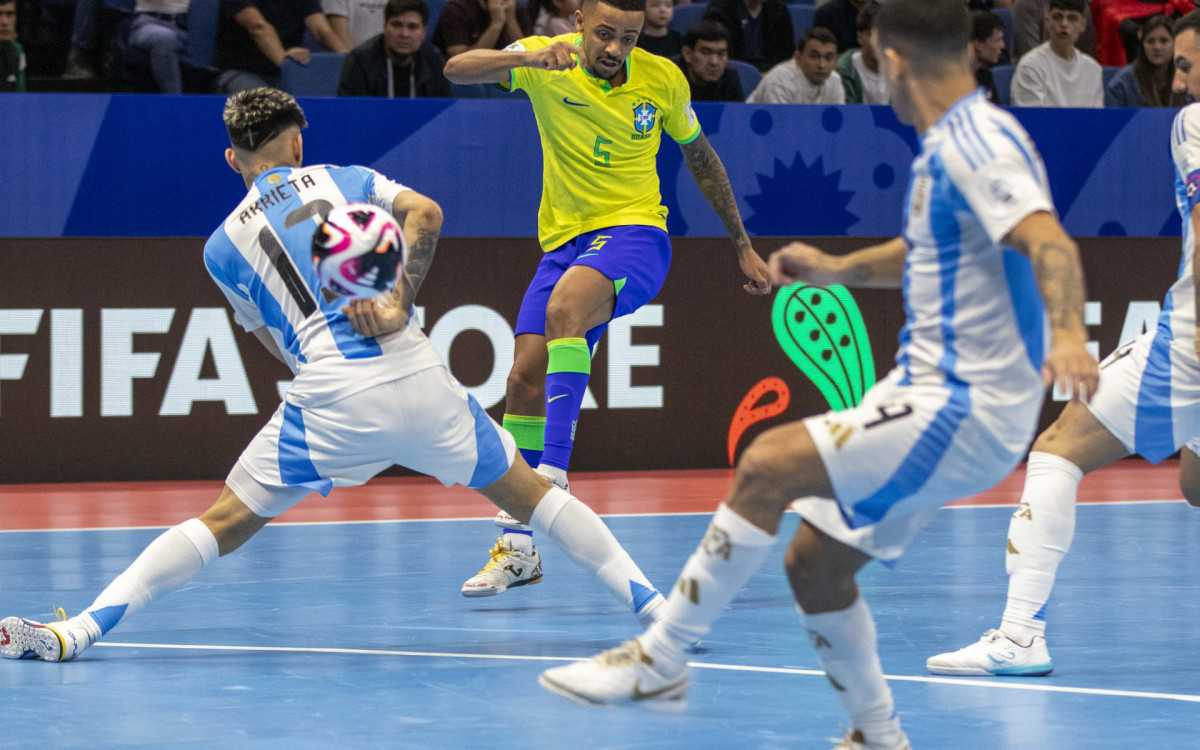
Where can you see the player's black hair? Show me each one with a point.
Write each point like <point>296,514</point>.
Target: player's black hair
<point>927,33</point>
<point>705,31</point>
<point>816,34</point>
<point>865,20</point>
<point>1079,6</point>
<point>634,5</point>
<point>255,116</point>
<point>396,7</point>
<point>984,23</point>
<point>1189,21</point>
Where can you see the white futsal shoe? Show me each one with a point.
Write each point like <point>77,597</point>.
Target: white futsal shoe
<point>996,654</point>
<point>625,674</point>
<point>507,569</point>
<point>26,639</point>
<point>856,741</point>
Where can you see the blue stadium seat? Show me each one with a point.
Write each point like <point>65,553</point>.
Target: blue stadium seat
<point>319,78</point>
<point>1005,15</point>
<point>687,16</point>
<point>802,18</point>
<point>202,32</point>
<point>469,90</point>
<point>1108,71</point>
<point>1003,75</point>
<point>435,12</point>
<point>747,74</point>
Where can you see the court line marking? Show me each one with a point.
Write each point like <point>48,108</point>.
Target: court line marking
<point>276,524</point>
<point>985,683</point>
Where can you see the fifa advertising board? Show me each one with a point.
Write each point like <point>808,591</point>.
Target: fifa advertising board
<point>120,360</point>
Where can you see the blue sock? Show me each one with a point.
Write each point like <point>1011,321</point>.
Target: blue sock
<point>566,382</point>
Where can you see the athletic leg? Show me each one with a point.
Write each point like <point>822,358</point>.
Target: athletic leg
<point>1189,472</point>
<point>1039,535</point>
<point>170,561</point>
<point>780,465</point>
<point>578,531</point>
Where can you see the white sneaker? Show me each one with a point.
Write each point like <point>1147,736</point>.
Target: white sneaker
<point>621,675</point>
<point>995,653</point>
<point>855,740</point>
<point>26,639</point>
<point>507,569</point>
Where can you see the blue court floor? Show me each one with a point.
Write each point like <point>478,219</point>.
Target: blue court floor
<point>355,635</point>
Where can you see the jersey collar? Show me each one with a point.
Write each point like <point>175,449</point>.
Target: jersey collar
<point>604,85</point>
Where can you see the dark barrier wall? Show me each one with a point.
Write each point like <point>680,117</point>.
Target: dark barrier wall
<point>119,359</point>
<point>152,166</point>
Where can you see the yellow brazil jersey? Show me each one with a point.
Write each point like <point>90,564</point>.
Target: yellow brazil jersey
<point>599,143</point>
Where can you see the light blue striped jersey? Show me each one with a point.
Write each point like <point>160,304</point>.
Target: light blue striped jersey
<point>1179,307</point>
<point>261,258</point>
<point>974,313</point>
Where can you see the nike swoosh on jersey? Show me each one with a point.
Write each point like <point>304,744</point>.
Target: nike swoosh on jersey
<point>574,104</point>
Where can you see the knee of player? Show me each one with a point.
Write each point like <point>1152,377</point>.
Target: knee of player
<point>525,384</point>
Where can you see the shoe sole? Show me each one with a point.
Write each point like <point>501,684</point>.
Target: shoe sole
<point>476,594</point>
<point>26,639</point>
<point>1040,670</point>
<point>672,698</point>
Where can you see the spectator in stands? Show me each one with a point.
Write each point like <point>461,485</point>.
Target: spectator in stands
<point>987,45</point>
<point>1029,27</point>
<point>254,37</point>
<point>160,30</point>
<point>553,17</point>
<point>480,24</point>
<point>1147,82</point>
<point>12,55</point>
<point>859,68</point>
<point>841,17</point>
<point>657,36</point>
<point>354,21</point>
<point>760,31</point>
<point>1055,73</point>
<point>808,78</point>
<point>398,63</point>
<point>85,34</point>
<point>704,58</point>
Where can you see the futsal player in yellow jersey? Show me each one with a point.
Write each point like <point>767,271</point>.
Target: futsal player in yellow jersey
<point>601,107</point>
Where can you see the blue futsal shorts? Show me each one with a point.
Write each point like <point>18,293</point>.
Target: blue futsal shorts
<point>635,257</point>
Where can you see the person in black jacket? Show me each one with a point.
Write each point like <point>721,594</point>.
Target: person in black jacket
<point>399,63</point>
<point>705,53</point>
<point>840,17</point>
<point>760,31</point>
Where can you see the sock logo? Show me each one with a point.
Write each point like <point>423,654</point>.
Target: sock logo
<point>5,639</point>
<point>716,542</point>
<point>552,399</point>
<point>1024,511</point>
<point>690,588</point>
<point>817,640</point>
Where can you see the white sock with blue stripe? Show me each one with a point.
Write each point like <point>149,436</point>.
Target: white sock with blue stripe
<point>1039,536</point>
<point>845,643</point>
<point>580,533</point>
<point>169,562</point>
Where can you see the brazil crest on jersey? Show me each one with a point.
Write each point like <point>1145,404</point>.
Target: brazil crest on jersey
<point>599,142</point>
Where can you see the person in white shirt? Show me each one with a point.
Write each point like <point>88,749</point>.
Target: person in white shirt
<point>859,68</point>
<point>354,21</point>
<point>1055,73</point>
<point>808,78</point>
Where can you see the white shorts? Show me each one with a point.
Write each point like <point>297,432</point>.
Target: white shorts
<point>905,451</point>
<point>425,422</point>
<point>1149,395</point>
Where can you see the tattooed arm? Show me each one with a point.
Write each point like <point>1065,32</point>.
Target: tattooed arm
<point>879,266</point>
<point>710,176</point>
<point>1059,274</point>
<point>422,221</point>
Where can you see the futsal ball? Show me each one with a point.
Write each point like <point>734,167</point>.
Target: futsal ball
<point>358,251</point>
